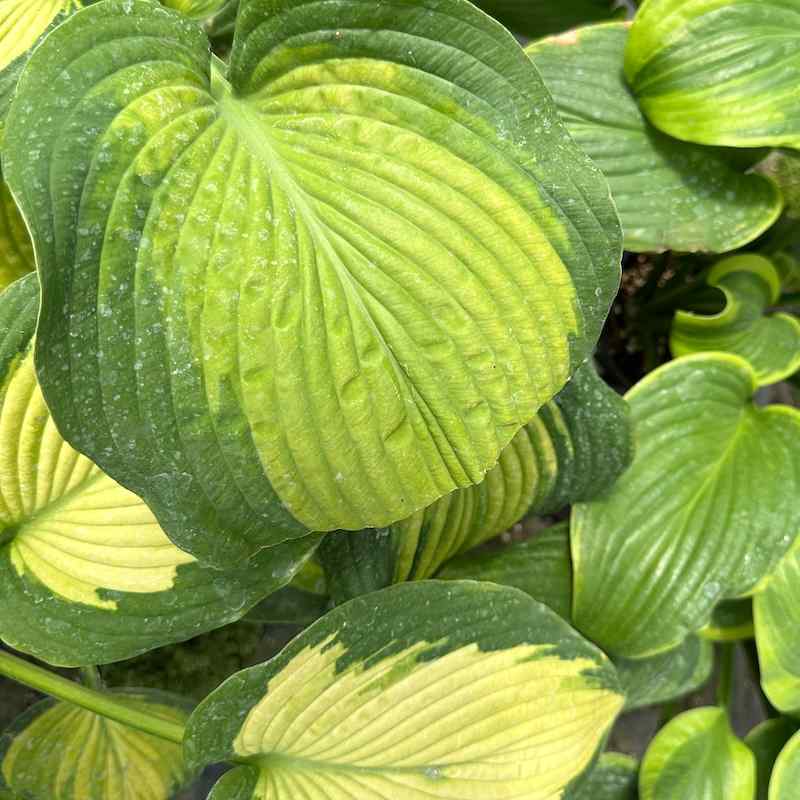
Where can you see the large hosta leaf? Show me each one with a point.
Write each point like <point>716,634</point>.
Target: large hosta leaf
<point>320,291</point>
<point>670,194</point>
<point>721,72</point>
<point>86,573</point>
<point>540,17</point>
<point>707,508</point>
<point>776,616</point>
<point>16,251</point>
<point>58,751</point>
<point>615,777</point>
<point>771,343</point>
<point>423,690</point>
<point>696,755</point>
<point>574,449</point>
<point>786,773</point>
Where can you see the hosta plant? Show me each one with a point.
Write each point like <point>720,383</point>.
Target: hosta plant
<point>398,400</point>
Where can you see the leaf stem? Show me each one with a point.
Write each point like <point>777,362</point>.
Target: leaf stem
<point>727,655</point>
<point>103,703</point>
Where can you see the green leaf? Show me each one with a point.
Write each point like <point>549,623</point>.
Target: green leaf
<point>402,267</point>
<point>16,251</point>
<point>615,777</point>
<point>291,606</point>
<point>86,573</point>
<point>704,512</point>
<point>669,194</point>
<point>196,9</point>
<point>423,690</point>
<point>771,343</point>
<point>540,17</point>
<point>731,621</point>
<point>722,72</point>
<point>22,22</point>
<point>783,167</point>
<point>541,567</point>
<point>574,449</point>
<point>696,755</point>
<point>776,616</point>
<point>58,751</point>
<point>786,773</point>
<point>766,741</point>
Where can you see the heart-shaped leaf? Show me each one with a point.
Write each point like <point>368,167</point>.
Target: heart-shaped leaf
<point>16,251</point>
<point>615,777</point>
<point>540,17</point>
<point>670,194</point>
<point>542,568</point>
<point>771,343</point>
<point>58,751</point>
<point>786,772</point>
<point>766,741</point>
<point>427,690</point>
<point>696,755</point>
<point>707,508</point>
<point>776,617</point>
<point>723,72</point>
<point>319,290</point>
<point>86,573</point>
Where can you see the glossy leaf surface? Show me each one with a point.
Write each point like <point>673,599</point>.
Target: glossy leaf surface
<point>422,690</point>
<point>770,342</point>
<point>58,751</point>
<point>723,72</point>
<point>696,755</point>
<point>86,573</point>
<point>670,194</point>
<point>418,266</point>
<point>704,512</point>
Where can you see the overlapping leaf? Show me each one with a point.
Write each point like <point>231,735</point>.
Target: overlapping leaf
<point>536,18</point>
<point>776,614</point>
<point>670,194</point>
<point>86,573</point>
<point>615,777</point>
<point>704,512</point>
<point>731,621</point>
<point>320,291</point>
<point>770,342</point>
<point>786,773</point>
<point>16,252</point>
<point>766,741</point>
<point>422,690</point>
<point>723,72</point>
<point>697,755</point>
<point>196,9</point>
<point>58,751</point>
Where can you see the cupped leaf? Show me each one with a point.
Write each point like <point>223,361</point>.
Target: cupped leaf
<point>786,772</point>
<point>776,616</point>
<point>731,621</point>
<point>16,251</point>
<point>669,194</point>
<point>704,512</point>
<point>58,751</point>
<point>723,72</point>
<point>542,568</point>
<point>766,741</point>
<point>86,573</point>
<point>320,291</point>
<point>574,449</point>
<point>770,342</point>
<point>615,777</point>
<point>696,755</point>
<point>540,17</point>
<point>422,690</point>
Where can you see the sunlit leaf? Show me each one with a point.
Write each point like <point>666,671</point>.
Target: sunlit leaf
<point>723,72</point>
<point>336,281</point>
<point>196,9</point>
<point>696,755</point>
<point>58,751</point>
<point>786,772</point>
<point>770,342</point>
<point>423,690</point>
<point>86,573</point>
<point>704,512</point>
<point>670,194</point>
<point>766,741</point>
<point>16,251</point>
